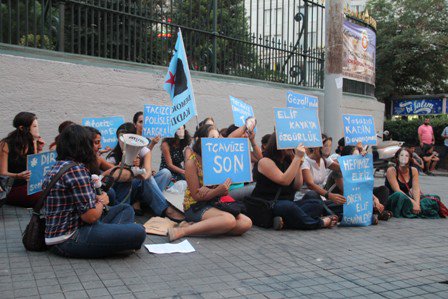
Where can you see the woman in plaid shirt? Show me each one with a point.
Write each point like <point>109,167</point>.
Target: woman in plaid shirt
<point>75,223</point>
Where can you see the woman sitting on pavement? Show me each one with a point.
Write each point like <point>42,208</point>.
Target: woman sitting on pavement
<point>431,158</point>
<point>403,184</point>
<point>24,140</point>
<point>173,153</point>
<point>138,123</point>
<point>61,128</point>
<point>207,220</point>
<point>278,175</point>
<point>146,187</point>
<point>335,185</point>
<point>75,223</point>
<point>314,170</point>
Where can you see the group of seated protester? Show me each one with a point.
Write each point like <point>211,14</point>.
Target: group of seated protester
<point>427,161</point>
<point>305,186</point>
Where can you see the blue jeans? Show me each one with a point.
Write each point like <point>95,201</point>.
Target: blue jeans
<point>303,214</point>
<point>115,233</point>
<point>150,191</point>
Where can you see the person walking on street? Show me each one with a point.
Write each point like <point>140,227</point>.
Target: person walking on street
<point>425,134</point>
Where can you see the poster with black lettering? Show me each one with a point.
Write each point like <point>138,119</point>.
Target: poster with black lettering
<point>224,158</point>
<point>357,172</point>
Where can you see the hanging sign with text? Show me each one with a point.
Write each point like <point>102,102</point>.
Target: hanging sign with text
<point>156,121</point>
<point>359,128</point>
<point>39,165</point>
<point>107,126</point>
<point>357,173</point>
<point>297,100</point>
<point>297,126</point>
<point>224,158</point>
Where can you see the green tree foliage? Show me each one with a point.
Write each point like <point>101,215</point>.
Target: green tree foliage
<point>29,23</point>
<point>406,131</point>
<point>412,47</point>
<point>234,55</point>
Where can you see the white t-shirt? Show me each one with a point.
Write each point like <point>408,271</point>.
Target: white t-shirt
<point>319,173</point>
<point>445,132</point>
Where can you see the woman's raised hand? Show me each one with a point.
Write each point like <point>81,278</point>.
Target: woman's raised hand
<point>226,185</point>
<point>299,151</point>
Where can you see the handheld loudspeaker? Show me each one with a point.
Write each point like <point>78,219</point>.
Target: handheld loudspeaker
<point>131,145</point>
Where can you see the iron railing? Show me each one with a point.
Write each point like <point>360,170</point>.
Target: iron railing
<point>274,40</point>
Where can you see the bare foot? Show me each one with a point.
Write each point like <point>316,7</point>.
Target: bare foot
<point>184,224</point>
<point>174,214</point>
<point>175,233</point>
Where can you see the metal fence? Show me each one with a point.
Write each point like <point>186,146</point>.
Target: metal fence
<point>274,40</point>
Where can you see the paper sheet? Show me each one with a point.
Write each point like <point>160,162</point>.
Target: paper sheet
<point>182,247</point>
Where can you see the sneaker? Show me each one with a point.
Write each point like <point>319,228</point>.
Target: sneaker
<point>278,223</point>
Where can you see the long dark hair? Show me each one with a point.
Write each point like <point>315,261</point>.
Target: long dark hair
<point>20,141</point>
<point>117,152</point>
<point>275,154</point>
<point>75,144</point>
<point>202,132</point>
<point>175,142</point>
<point>136,116</point>
<point>61,128</point>
<point>397,154</point>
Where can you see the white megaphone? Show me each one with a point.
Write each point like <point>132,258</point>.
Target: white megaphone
<point>131,146</point>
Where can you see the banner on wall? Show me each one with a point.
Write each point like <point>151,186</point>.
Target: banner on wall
<point>107,126</point>
<point>359,128</point>
<point>224,158</point>
<point>297,126</point>
<point>357,173</point>
<point>39,165</point>
<point>359,53</point>
<point>417,107</point>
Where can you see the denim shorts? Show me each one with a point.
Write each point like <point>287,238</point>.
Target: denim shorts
<point>196,211</point>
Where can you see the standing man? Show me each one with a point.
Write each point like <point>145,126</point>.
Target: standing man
<point>426,134</point>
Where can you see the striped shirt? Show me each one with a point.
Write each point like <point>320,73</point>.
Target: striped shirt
<point>71,196</point>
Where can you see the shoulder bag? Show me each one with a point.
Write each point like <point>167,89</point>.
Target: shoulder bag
<point>259,210</point>
<point>33,237</point>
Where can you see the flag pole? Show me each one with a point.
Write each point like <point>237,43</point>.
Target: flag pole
<point>191,81</point>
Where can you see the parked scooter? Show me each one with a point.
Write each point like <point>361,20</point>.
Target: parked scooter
<point>384,152</point>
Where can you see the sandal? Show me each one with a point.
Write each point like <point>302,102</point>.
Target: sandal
<point>333,221</point>
<point>375,219</point>
<point>385,215</point>
<point>278,223</point>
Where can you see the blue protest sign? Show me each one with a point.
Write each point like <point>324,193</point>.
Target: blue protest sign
<point>107,126</point>
<point>224,158</point>
<point>359,128</point>
<point>357,172</point>
<point>297,100</point>
<point>296,126</point>
<point>178,85</point>
<point>156,121</point>
<point>241,111</point>
<point>39,165</point>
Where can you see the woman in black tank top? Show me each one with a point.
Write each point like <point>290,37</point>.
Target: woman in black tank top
<point>23,141</point>
<point>405,199</point>
<point>278,177</point>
